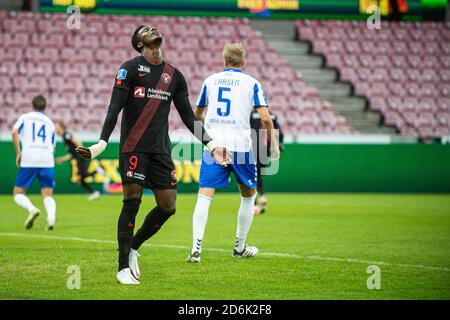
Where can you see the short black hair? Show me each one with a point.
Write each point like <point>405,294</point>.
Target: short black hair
<point>135,39</point>
<point>39,103</point>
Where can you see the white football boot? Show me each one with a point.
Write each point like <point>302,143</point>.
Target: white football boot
<point>125,276</point>
<point>133,262</point>
<point>31,217</point>
<point>194,257</point>
<point>94,196</point>
<point>246,253</point>
<point>50,226</point>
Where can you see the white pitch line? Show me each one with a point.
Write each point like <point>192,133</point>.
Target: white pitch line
<point>267,254</point>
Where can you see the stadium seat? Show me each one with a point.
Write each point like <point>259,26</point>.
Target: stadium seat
<point>403,71</point>
<point>76,68</point>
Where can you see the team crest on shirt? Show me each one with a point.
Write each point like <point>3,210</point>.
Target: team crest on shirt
<point>130,174</point>
<point>165,77</point>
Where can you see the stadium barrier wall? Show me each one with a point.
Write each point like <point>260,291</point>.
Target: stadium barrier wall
<point>303,168</point>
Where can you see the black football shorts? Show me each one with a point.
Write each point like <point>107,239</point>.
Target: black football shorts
<point>153,171</point>
<point>83,166</point>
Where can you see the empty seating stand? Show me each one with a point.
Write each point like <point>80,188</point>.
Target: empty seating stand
<point>403,69</point>
<point>75,69</point>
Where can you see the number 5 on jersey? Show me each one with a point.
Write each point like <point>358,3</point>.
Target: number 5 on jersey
<point>222,99</point>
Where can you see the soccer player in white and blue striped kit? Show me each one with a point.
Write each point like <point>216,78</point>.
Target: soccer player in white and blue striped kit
<point>225,103</point>
<point>36,132</point>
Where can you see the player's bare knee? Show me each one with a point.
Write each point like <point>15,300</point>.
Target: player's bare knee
<point>18,190</point>
<point>47,192</point>
<point>132,204</point>
<point>131,197</point>
<point>169,208</point>
<point>132,191</point>
<point>208,192</point>
<point>132,194</point>
<point>246,192</point>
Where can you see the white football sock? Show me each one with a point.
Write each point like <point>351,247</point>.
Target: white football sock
<point>23,201</point>
<point>50,207</point>
<point>199,220</point>
<point>245,219</point>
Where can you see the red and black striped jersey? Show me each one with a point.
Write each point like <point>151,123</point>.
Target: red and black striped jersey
<point>145,92</point>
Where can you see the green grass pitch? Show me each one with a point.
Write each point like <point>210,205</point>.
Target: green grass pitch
<point>313,246</point>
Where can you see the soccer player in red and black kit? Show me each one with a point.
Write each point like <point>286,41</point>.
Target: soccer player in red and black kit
<point>144,87</point>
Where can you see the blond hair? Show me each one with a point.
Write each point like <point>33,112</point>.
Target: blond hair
<point>234,54</point>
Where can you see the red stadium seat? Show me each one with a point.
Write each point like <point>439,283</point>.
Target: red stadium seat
<point>408,63</point>
<point>76,68</point>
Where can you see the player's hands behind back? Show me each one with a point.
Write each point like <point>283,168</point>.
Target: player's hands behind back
<point>222,155</point>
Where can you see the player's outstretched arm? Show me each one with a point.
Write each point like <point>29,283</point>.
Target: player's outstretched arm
<point>118,99</point>
<point>268,124</point>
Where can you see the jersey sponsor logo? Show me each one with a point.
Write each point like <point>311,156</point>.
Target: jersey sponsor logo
<point>139,92</point>
<point>142,68</point>
<point>158,94</point>
<point>122,74</point>
<point>138,176</point>
<point>166,78</point>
